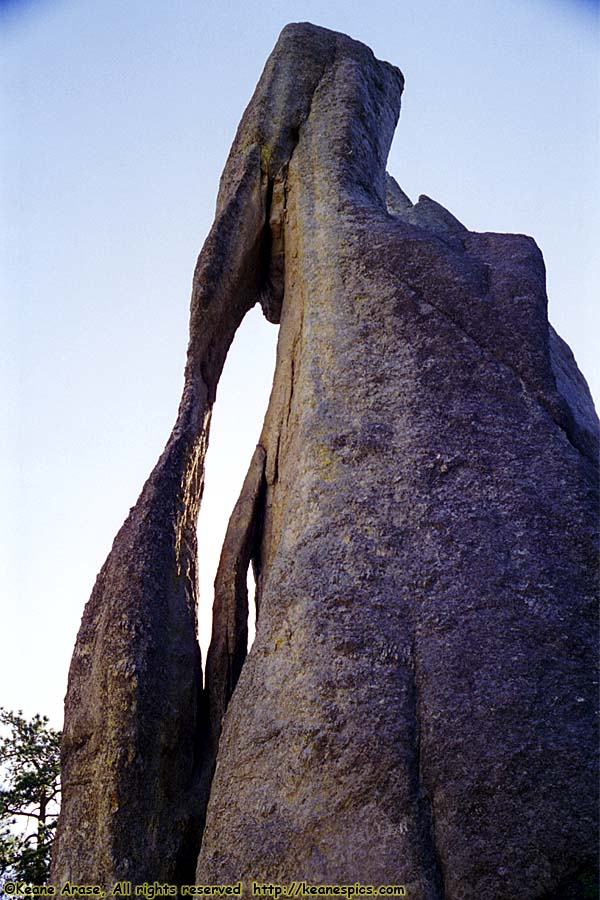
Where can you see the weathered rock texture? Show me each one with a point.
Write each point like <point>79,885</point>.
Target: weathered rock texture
<point>417,706</point>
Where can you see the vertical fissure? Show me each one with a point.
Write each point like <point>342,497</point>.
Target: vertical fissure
<point>425,817</point>
<point>229,642</point>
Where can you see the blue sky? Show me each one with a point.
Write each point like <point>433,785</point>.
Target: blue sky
<point>118,119</point>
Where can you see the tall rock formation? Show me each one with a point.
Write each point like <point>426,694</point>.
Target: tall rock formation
<point>418,705</point>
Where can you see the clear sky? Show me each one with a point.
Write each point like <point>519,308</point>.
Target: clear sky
<point>117,120</point>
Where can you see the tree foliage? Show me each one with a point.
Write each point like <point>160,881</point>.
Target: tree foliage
<point>29,795</point>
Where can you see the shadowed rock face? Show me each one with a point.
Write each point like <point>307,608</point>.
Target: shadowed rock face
<point>417,706</point>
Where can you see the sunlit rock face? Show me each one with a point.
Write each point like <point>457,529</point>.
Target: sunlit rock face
<point>417,706</point>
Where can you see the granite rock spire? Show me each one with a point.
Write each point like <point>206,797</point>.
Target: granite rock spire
<point>417,707</point>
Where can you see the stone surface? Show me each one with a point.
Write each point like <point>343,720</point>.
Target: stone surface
<point>417,707</point>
